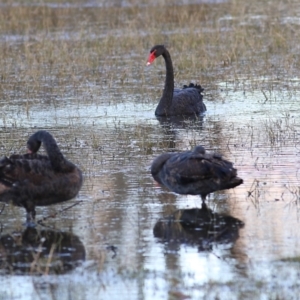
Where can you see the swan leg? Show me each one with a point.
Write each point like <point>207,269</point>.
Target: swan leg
<point>30,214</point>
<point>30,219</point>
<point>203,197</point>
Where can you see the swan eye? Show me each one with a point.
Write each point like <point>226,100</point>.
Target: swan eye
<point>151,58</point>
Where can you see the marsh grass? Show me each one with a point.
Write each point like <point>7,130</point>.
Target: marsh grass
<point>282,131</point>
<point>61,51</point>
<point>254,194</point>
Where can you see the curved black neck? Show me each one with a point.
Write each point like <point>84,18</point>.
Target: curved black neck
<point>167,96</point>
<point>56,158</point>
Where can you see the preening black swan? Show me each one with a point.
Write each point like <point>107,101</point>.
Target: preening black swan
<point>174,102</point>
<point>31,179</point>
<point>194,172</point>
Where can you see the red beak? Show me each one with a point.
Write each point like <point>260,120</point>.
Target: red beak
<point>151,58</point>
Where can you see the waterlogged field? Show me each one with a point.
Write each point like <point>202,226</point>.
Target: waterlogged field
<point>78,69</point>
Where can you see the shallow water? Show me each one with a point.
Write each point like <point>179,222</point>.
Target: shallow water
<point>113,137</point>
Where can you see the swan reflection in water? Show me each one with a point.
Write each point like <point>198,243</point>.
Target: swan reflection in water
<point>182,122</point>
<point>201,227</point>
<point>39,252</point>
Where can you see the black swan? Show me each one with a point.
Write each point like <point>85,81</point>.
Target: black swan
<point>32,179</point>
<point>175,102</point>
<point>194,172</point>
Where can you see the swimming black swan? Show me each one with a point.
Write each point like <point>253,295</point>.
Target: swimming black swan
<point>174,102</point>
<point>31,179</point>
<point>194,172</point>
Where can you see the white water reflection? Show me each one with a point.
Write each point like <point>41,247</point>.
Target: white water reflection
<point>70,114</point>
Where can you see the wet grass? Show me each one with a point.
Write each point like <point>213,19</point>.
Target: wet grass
<point>52,52</point>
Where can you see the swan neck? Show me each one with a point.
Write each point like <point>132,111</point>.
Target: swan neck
<point>55,156</point>
<point>166,99</point>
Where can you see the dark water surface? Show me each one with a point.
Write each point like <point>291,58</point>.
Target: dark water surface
<point>112,134</point>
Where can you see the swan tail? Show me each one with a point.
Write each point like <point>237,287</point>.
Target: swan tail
<point>195,86</point>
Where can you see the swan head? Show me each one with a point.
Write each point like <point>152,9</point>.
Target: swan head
<point>33,146</point>
<point>34,142</point>
<point>155,52</point>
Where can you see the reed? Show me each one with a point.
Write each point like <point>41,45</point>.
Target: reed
<point>58,51</point>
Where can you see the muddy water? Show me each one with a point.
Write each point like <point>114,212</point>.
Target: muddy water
<point>115,250</point>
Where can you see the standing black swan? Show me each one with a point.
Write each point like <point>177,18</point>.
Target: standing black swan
<point>194,172</point>
<point>175,102</point>
<point>32,179</point>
